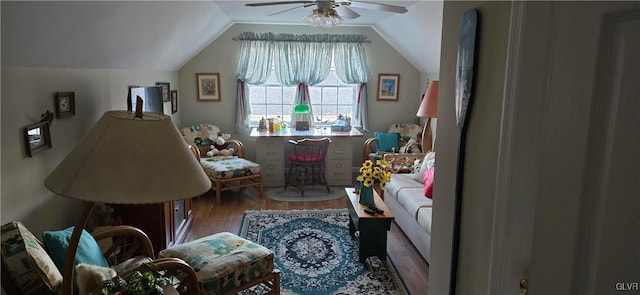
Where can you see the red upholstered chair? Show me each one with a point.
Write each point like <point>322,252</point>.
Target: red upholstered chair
<point>308,153</point>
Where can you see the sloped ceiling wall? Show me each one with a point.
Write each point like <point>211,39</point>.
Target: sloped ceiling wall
<point>116,34</point>
<point>163,35</point>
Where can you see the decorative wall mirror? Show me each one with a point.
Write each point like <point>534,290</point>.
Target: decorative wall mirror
<point>37,138</point>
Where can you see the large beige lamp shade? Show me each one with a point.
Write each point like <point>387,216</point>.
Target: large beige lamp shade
<point>428,109</point>
<point>126,160</point>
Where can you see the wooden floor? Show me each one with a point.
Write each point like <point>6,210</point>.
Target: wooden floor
<point>210,218</point>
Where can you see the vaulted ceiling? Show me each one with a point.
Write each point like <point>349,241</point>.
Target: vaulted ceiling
<point>163,35</point>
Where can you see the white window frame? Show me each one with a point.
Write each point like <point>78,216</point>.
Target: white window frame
<point>318,94</point>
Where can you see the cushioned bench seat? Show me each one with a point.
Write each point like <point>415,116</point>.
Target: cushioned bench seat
<point>221,167</point>
<point>225,262</point>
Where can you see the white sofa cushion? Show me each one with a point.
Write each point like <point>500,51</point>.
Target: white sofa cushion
<point>401,181</point>
<point>408,192</point>
<point>413,199</point>
<point>424,218</point>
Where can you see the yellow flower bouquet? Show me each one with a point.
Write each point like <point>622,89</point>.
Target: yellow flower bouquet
<point>374,174</point>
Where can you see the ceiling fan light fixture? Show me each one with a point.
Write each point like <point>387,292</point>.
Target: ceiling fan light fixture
<point>324,18</point>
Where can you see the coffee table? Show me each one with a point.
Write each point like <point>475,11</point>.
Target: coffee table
<point>373,228</point>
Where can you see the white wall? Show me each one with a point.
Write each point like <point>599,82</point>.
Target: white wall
<point>222,55</point>
<point>482,149</point>
<point>27,93</point>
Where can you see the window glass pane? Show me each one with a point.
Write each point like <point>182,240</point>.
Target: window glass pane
<point>289,94</point>
<point>346,95</point>
<point>329,112</point>
<point>258,94</point>
<point>330,95</point>
<point>316,94</point>
<point>345,111</point>
<point>274,110</point>
<point>274,95</point>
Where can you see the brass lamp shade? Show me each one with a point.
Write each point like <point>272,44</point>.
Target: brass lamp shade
<point>130,161</point>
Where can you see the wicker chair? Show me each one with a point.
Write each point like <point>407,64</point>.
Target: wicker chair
<point>226,172</point>
<point>28,268</point>
<point>408,141</point>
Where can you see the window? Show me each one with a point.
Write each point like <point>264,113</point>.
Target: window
<point>328,99</point>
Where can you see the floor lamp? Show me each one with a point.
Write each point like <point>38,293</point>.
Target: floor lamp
<point>126,158</point>
<point>428,109</point>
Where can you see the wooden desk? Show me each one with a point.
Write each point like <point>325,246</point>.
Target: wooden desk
<point>271,148</point>
<point>373,228</point>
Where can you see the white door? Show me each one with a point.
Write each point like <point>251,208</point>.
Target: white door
<point>569,204</point>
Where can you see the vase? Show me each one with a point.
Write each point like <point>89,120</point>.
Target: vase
<point>366,195</point>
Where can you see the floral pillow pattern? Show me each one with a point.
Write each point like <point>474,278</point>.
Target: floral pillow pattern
<point>27,262</point>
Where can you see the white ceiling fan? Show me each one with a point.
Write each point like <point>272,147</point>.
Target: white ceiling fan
<point>333,8</point>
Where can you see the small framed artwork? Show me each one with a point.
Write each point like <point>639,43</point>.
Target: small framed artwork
<point>37,138</point>
<point>208,86</point>
<point>65,104</point>
<point>165,90</point>
<point>174,101</point>
<point>388,86</point>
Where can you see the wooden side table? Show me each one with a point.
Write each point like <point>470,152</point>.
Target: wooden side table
<point>373,228</point>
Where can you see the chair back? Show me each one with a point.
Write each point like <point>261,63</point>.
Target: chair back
<point>200,135</point>
<point>309,150</point>
<point>407,132</point>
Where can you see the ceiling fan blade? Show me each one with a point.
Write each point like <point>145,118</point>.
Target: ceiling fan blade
<point>377,6</point>
<point>277,3</point>
<point>301,6</point>
<point>346,12</point>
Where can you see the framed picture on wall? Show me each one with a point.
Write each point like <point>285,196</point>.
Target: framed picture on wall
<point>174,101</point>
<point>165,90</point>
<point>65,104</point>
<point>388,86</point>
<point>208,85</point>
<point>37,138</point>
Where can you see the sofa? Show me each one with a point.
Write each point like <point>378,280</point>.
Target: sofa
<point>405,196</point>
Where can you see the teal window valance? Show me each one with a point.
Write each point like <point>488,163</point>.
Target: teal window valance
<point>302,60</point>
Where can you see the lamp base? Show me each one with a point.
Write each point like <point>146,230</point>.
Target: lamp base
<point>427,137</point>
<point>70,256</point>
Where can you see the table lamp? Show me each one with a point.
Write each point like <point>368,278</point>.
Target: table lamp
<point>126,158</point>
<point>428,109</point>
<point>301,114</point>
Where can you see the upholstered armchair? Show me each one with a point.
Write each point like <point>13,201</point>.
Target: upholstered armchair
<point>399,138</point>
<point>222,159</point>
<point>27,268</point>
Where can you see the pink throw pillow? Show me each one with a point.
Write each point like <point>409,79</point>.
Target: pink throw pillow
<point>428,182</point>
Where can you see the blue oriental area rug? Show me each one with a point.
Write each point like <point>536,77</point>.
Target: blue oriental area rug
<point>316,254</point>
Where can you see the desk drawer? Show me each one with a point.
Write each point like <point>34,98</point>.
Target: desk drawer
<point>270,149</point>
<point>340,148</point>
<point>338,172</point>
<point>272,171</point>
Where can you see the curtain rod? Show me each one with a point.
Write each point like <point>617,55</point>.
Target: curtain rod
<point>283,37</point>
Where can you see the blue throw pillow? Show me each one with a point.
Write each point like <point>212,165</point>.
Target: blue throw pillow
<point>387,142</point>
<point>88,252</point>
